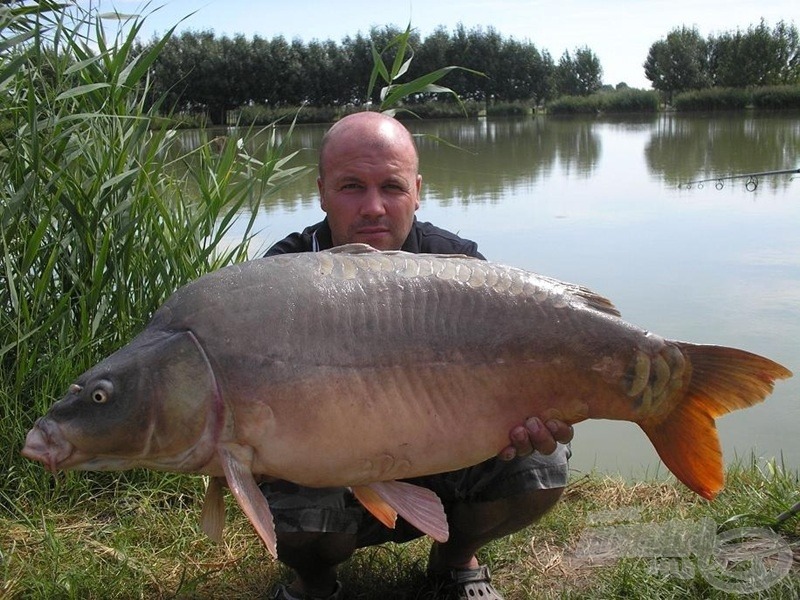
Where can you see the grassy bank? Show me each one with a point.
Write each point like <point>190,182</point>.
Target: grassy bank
<point>122,539</point>
<point>263,115</point>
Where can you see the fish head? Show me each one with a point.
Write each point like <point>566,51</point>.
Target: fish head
<point>153,403</point>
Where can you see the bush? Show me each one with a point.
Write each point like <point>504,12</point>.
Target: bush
<point>777,97</point>
<point>622,101</point>
<point>712,99</point>
<point>437,109</point>
<point>261,115</point>
<point>574,105</point>
<point>629,101</point>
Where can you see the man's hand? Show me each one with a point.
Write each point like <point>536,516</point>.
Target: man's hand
<point>535,435</point>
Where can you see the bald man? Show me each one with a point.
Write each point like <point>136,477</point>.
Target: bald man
<point>369,186</point>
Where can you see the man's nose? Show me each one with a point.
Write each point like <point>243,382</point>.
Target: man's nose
<point>372,204</point>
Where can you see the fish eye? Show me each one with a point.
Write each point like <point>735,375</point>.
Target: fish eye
<point>102,393</point>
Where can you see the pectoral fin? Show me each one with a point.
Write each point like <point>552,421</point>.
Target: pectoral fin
<point>235,460</point>
<point>212,517</point>
<point>421,507</point>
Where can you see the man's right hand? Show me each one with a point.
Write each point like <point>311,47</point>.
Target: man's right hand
<point>538,436</point>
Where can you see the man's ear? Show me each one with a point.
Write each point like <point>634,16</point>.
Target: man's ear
<point>320,188</point>
<point>419,191</point>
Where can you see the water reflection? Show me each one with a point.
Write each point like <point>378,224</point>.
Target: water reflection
<point>478,161</point>
<point>684,148</point>
<point>494,155</point>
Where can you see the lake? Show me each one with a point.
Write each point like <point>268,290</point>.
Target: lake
<point>597,201</point>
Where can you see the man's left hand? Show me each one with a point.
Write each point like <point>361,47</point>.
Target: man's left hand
<point>538,436</point>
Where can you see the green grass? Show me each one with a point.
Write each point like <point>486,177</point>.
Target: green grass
<point>777,97</point>
<point>121,539</point>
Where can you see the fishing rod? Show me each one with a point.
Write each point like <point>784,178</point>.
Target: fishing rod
<point>750,185</point>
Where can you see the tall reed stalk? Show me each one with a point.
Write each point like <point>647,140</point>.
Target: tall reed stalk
<point>97,227</point>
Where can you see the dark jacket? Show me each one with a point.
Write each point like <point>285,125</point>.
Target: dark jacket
<point>423,239</point>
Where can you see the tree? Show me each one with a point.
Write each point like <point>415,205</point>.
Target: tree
<point>743,59</point>
<point>198,72</point>
<point>588,71</point>
<point>787,45</point>
<point>578,76</point>
<point>678,63</point>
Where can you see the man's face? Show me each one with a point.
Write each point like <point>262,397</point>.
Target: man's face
<point>369,187</point>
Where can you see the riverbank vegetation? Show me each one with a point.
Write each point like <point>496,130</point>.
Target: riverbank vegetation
<point>609,102</point>
<point>98,224</point>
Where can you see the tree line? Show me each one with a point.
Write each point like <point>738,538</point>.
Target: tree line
<point>759,56</point>
<point>200,72</point>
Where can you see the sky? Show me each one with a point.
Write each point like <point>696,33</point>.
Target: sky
<point>619,32</point>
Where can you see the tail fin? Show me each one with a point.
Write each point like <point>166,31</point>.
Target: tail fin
<point>722,380</point>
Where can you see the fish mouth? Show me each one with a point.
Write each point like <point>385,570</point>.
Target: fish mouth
<point>46,444</point>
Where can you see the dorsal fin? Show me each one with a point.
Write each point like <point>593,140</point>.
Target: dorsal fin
<point>595,300</point>
<point>352,249</point>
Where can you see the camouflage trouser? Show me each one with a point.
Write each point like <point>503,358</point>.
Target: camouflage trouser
<point>296,508</point>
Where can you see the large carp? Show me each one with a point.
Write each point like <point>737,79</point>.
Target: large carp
<point>357,368</point>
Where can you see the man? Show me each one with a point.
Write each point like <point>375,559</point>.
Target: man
<point>369,186</point>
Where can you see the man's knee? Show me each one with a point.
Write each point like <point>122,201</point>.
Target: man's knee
<point>521,510</point>
<point>537,503</point>
<point>504,516</point>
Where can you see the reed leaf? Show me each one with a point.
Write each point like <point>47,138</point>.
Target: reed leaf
<point>97,227</point>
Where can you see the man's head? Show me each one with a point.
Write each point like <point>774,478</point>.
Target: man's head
<point>369,180</point>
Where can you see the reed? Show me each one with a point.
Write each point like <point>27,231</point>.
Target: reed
<point>777,97</point>
<point>97,228</point>
<point>713,99</point>
<point>620,101</point>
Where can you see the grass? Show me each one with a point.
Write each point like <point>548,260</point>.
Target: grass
<point>97,226</point>
<point>125,540</point>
